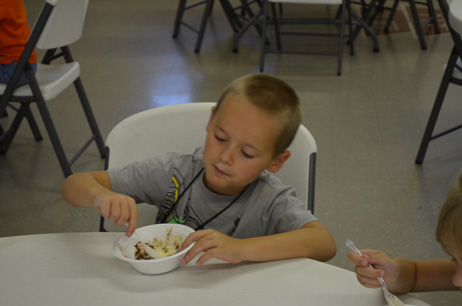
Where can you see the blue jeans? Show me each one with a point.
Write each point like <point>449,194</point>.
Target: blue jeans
<point>6,71</point>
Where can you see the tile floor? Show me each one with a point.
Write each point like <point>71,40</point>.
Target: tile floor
<point>368,123</point>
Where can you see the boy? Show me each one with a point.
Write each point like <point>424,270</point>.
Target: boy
<point>225,191</point>
<point>403,275</point>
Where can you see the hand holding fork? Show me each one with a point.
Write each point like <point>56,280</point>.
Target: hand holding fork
<point>392,300</point>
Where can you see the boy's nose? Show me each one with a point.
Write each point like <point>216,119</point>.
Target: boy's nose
<point>226,156</point>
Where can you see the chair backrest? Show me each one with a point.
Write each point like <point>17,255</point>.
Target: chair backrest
<point>65,23</point>
<point>59,24</point>
<point>182,128</point>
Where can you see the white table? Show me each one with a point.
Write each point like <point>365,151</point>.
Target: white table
<point>80,269</point>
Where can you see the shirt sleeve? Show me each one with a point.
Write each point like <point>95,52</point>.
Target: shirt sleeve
<point>286,212</point>
<point>144,181</point>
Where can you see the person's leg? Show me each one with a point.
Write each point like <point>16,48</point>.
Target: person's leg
<point>6,71</point>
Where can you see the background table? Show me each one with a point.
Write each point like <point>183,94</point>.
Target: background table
<point>80,269</point>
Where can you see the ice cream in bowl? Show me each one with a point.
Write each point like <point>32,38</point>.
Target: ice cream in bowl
<point>165,239</point>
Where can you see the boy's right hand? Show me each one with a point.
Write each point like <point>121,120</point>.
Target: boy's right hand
<point>119,208</point>
<point>383,265</point>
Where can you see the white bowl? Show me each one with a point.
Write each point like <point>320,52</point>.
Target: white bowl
<point>124,248</point>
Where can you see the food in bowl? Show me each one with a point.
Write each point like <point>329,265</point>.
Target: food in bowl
<point>124,248</point>
<point>169,246</point>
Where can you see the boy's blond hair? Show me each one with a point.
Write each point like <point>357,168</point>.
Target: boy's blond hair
<point>274,97</point>
<point>449,228</point>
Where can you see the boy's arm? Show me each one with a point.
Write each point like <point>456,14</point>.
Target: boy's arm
<point>80,189</point>
<point>93,189</point>
<point>403,275</point>
<point>313,241</point>
<point>425,275</point>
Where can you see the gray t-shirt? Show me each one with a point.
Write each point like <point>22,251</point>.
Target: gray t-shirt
<point>266,207</point>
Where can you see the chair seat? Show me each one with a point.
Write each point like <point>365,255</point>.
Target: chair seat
<point>455,16</point>
<point>457,74</point>
<point>52,79</point>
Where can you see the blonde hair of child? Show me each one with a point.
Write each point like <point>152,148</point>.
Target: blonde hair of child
<point>272,96</point>
<point>449,228</point>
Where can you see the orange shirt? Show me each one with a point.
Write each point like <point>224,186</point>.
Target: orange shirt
<point>14,31</point>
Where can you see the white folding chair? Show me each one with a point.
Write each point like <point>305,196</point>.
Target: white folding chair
<point>451,11</point>
<point>59,24</point>
<point>181,128</point>
<point>343,16</point>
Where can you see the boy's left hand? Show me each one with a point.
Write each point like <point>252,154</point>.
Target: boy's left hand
<point>214,245</point>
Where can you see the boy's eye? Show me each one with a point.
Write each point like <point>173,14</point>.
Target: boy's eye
<point>219,138</point>
<point>246,155</point>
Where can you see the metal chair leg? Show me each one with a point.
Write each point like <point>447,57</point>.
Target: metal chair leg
<point>90,117</point>
<point>418,26</point>
<point>33,125</point>
<point>203,26</point>
<point>7,137</point>
<point>390,17</point>
<point>428,134</point>
<point>264,31</point>
<point>342,39</point>
<point>179,17</point>
<point>433,17</point>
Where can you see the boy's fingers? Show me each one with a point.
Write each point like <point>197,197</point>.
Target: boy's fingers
<point>370,282</point>
<point>357,260</point>
<point>367,272</point>
<point>193,237</point>
<point>191,254</point>
<point>104,208</point>
<point>115,212</point>
<point>132,220</point>
<point>203,244</point>
<point>124,214</point>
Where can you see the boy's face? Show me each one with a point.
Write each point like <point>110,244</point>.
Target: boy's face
<point>239,146</point>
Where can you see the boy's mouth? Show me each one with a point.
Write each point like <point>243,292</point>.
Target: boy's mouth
<point>219,169</point>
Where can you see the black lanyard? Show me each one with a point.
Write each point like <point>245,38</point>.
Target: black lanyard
<point>221,211</point>
<point>213,217</point>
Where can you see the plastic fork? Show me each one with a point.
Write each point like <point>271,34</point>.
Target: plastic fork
<point>151,252</point>
<point>392,299</point>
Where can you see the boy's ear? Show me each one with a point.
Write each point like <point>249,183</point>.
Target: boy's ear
<point>211,117</point>
<point>278,162</point>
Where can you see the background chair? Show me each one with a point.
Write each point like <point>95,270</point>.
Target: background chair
<point>59,24</point>
<point>182,128</point>
<point>182,8</point>
<point>278,21</point>
<point>237,16</point>
<point>432,18</point>
<point>452,74</point>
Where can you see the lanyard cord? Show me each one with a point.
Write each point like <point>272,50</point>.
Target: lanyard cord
<point>213,217</point>
<point>221,211</point>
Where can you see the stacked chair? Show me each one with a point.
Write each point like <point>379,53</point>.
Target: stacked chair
<point>59,24</point>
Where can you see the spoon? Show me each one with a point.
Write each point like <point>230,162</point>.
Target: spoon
<point>392,299</point>
<point>151,252</point>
